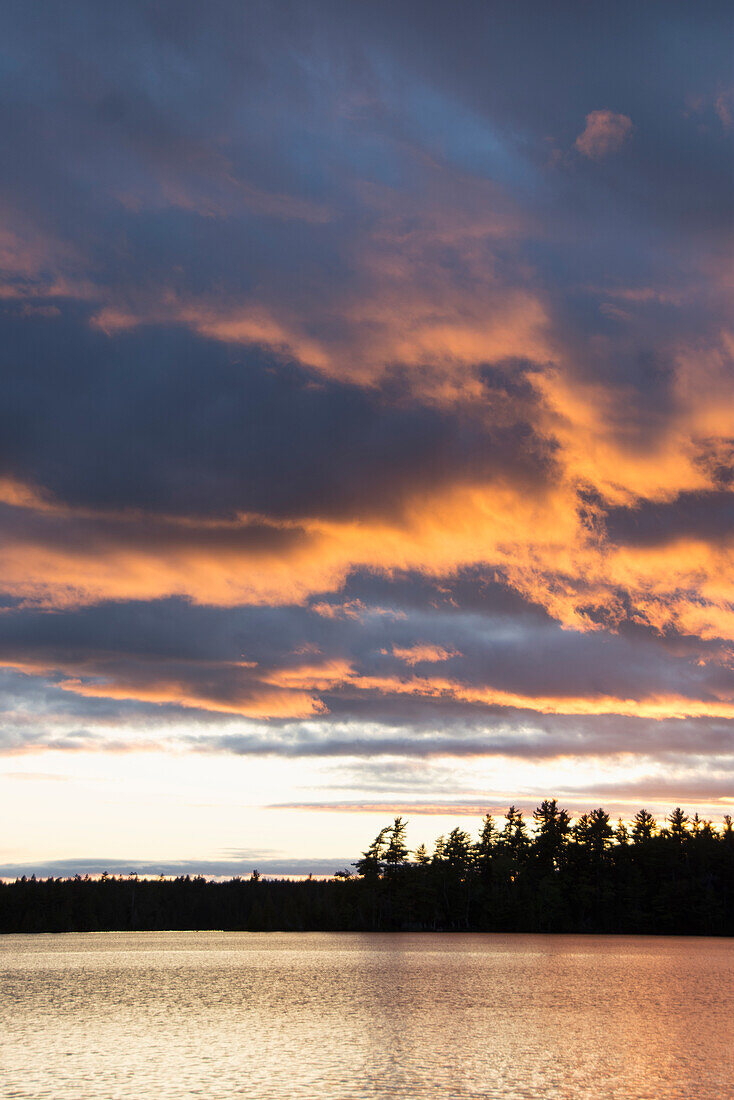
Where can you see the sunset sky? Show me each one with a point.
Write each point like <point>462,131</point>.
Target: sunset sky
<point>367,422</point>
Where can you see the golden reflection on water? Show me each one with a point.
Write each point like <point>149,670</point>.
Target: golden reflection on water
<point>336,1017</point>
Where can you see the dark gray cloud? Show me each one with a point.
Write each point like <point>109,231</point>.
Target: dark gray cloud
<point>474,634</point>
<point>202,158</point>
<point>209,868</point>
<point>220,655</point>
<point>154,158</point>
<point>705,515</point>
<point>516,734</point>
<point>168,422</point>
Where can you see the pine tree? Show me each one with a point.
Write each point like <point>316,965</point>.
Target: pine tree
<point>644,827</point>
<point>371,865</point>
<point>396,852</point>
<point>552,830</point>
<point>458,851</point>
<point>678,824</point>
<point>439,849</point>
<point>485,846</point>
<point>514,836</point>
<point>594,832</point>
<point>422,857</point>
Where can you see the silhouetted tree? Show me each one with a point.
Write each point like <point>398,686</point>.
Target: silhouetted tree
<point>457,852</point>
<point>371,863</point>
<point>586,876</point>
<point>594,831</point>
<point>553,826</point>
<point>644,827</point>
<point>514,836</point>
<point>485,848</point>
<point>396,853</point>
<point>678,824</point>
<point>422,857</point>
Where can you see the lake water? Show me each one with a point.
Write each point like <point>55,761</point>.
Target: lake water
<point>332,1017</point>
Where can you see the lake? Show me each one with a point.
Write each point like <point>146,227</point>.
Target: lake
<point>322,1016</point>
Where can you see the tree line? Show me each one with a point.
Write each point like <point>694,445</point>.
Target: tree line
<point>560,875</point>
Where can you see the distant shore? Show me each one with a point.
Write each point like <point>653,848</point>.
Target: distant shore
<point>587,876</point>
<point>194,904</point>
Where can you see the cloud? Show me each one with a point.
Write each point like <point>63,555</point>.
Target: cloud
<point>209,868</point>
<point>705,516</point>
<point>723,107</point>
<point>340,416</point>
<point>661,796</point>
<point>454,808</point>
<point>605,132</point>
<point>487,674</point>
<point>423,654</point>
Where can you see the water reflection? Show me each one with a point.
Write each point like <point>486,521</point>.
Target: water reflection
<point>343,1016</point>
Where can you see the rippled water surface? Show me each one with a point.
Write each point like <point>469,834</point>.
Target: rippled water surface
<point>268,1015</point>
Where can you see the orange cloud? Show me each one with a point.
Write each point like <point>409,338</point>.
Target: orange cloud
<point>258,704</point>
<point>439,322</point>
<point>404,309</point>
<point>604,133</point>
<point>543,544</point>
<point>655,706</point>
<point>294,692</point>
<point>412,655</point>
<point>240,693</point>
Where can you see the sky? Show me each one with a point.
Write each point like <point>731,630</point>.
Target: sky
<point>367,422</point>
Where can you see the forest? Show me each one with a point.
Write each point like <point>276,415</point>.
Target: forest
<point>552,875</point>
